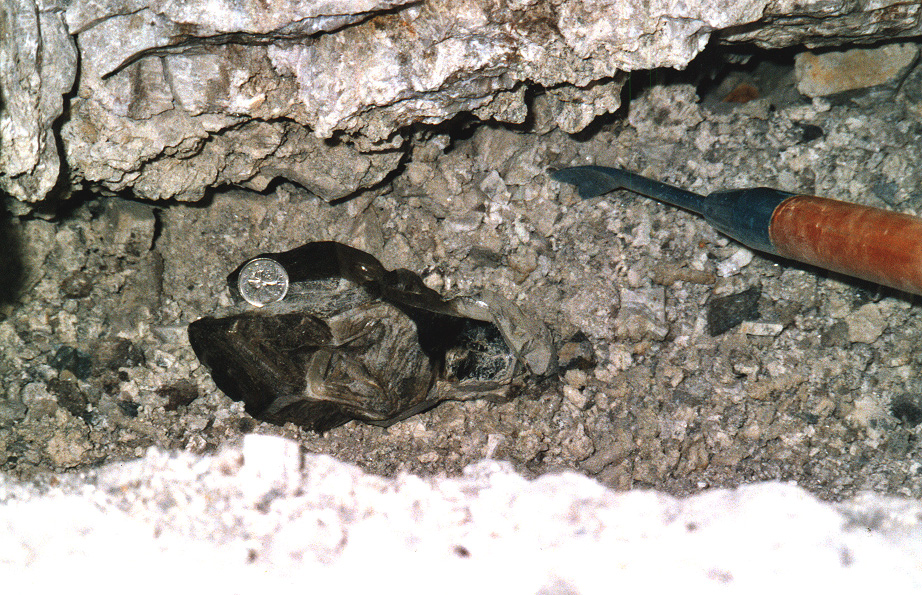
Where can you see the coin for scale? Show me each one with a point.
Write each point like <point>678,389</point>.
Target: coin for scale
<point>263,281</point>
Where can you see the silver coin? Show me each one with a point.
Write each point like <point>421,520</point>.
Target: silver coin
<point>262,281</point>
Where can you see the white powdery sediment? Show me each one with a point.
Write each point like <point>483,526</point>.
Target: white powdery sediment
<point>263,516</point>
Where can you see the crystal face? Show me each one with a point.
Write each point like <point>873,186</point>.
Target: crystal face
<point>347,339</point>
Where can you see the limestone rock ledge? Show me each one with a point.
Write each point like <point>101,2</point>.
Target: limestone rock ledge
<point>264,516</point>
<point>172,97</point>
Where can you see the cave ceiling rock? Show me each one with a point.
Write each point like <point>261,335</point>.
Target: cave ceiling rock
<point>172,97</point>
<point>38,64</point>
<point>826,23</point>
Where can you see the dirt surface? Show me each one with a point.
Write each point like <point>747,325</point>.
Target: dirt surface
<point>689,362</point>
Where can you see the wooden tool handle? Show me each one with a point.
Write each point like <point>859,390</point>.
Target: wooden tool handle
<point>864,242</point>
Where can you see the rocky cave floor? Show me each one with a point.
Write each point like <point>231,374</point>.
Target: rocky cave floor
<point>690,362</point>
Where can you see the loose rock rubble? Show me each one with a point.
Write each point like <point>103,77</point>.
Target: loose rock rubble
<point>813,381</point>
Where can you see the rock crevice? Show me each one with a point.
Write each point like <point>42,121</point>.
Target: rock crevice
<point>170,98</point>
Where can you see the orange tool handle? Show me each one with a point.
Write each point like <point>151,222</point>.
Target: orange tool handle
<point>864,242</point>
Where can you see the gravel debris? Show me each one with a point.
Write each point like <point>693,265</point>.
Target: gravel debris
<point>814,381</point>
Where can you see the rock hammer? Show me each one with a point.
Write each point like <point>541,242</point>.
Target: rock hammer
<point>873,244</point>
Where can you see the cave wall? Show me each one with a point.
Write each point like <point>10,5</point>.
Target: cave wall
<point>167,99</point>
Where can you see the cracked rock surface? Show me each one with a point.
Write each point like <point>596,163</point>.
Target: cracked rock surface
<point>172,98</point>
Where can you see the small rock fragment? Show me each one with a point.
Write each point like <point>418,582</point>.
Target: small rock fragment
<point>36,393</point>
<point>761,329</point>
<point>575,396</point>
<point>811,132</point>
<point>871,414</point>
<point>179,394</point>
<point>11,413</point>
<point>130,226</point>
<point>592,307</point>
<point>735,263</point>
<point>117,352</point>
<point>643,314</point>
<point>866,324</point>
<point>828,73</point>
<point>140,298</point>
<point>484,257</point>
<point>129,408</point>
<point>67,449</point>
<point>72,359</point>
<point>494,441</point>
<point>744,363</point>
<point>908,409</point>
<point>69,396</point>
<point>493,147</point>
<point>577,444</point>
<point>576,378</point>
<point>78,285</point>
<point>576,353</point>
<point>836,335</point>
<point>742,93</point>
<point>725,313</point>
<point>668,273</point>
<point>523,261</point>
<point>495,187</point>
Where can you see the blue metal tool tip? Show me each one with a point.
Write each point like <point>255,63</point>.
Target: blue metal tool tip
<point>594,180</point>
